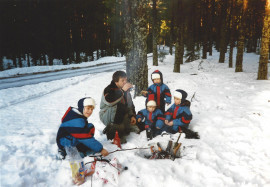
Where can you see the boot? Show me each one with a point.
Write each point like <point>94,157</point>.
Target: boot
<point>149,134</point>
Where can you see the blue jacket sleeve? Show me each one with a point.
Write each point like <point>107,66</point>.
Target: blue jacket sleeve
<point>86,137</point>
<point>184,119</point>
<point>169,113</point>
<point>140,115</point>
<point>92,143</point>
<point>168,95</point>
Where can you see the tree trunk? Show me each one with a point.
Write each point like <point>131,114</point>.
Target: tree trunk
<point>14,59</point>
<point>44,60</point>
<point>263,63</point>
<point>1,63</point>
<point>171,34</point>
<point>205,28</point>
<point>50,60</point>
<point>155,34</point>
<point>78,58</point>
<point>223,43</point>
<point>28,60</point>
<point>241,39</point>
<point>179,46</point>
<point>231,54</point>
<point>232,31</point>
<point>211,24</point>
<point>135,42</point>
<point>20,61</point>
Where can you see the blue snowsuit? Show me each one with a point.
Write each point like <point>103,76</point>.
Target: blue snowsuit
<point>152,120</point>
<point>76,131</point>
<point>180,115</point>
<point>161,91</point>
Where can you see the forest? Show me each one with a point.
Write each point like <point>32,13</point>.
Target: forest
<point>39,31</point>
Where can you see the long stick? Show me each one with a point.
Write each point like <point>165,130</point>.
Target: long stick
<point>121,150</point>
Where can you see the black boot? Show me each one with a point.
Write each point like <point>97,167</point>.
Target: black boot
<point>149,134</point>
<point>190,134</point>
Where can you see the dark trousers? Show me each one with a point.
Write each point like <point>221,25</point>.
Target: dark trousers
<point>123,128</point>
<point>155,132</point>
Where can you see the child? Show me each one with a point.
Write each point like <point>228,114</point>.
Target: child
<point>75,131</point>
<point>153,119</point>
<point>178,115</point>
<point>160,90</point>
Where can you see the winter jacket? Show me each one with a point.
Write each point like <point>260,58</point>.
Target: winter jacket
<point>155,118</point>
<point>179,114</point>
<point>75,129</point>
<point>115,103</point>
<point>161,91</point>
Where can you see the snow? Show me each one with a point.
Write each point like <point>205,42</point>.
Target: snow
<point>230,112</point>
<point>42,69</point>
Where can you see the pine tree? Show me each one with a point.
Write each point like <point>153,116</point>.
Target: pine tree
<point>264,54</point>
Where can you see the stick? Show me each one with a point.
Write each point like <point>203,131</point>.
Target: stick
<point>176,143</point>
<point>120,150</point>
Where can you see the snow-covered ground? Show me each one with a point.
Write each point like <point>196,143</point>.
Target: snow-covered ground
<point>231,112</point>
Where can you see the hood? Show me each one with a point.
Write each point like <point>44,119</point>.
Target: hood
<point>72,113</point>
<point>161,76</point>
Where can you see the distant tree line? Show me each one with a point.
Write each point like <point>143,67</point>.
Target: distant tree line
<point>39,31</point>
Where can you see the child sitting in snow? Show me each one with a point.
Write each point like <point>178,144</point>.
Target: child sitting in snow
<point>75,131</point>
<point>160,90</point>
<point>178,116</point>
<point>151,119</point>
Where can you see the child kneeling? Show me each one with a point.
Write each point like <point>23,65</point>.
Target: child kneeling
<point>151,119</point>
<point>75,131</point>
<point>179,114</point>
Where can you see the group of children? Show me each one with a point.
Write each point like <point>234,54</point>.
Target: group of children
<point>75,131</point>
<point>154,119</point>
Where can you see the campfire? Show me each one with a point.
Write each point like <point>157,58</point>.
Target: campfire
<point>172,151</point>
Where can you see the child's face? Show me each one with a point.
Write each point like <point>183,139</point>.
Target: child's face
<point>151,108</point>
<point>87,111</point>
<point>177,101</point>
<point>156,81</point>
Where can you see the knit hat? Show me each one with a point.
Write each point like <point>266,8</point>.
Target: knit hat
<point>151,103</point>
<point>87,101</point>
<point>151,100</point>
<point>157,75</point>
<point>180,94</point>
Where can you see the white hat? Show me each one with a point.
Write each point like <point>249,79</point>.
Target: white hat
<point>155,76</point>
<point>151,103</point>
<point>89,102</point>
<point>177,94</point>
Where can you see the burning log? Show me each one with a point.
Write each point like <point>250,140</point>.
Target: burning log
<point>169,153</point>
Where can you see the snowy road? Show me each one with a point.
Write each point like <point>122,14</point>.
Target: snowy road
<point>46,77</point>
